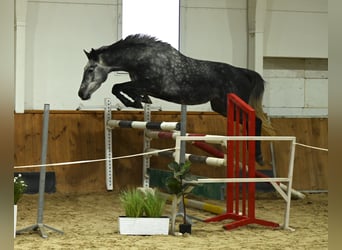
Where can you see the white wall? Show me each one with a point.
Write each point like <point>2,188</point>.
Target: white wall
<point>216,31</point>
<point>296,28</point>
<point>58,30</point>
<point>296,87</point>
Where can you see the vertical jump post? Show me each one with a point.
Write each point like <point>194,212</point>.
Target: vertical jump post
<point>109,124</point>
<point>147,145</point>
<point>147,139</point>
<point>108,143</point>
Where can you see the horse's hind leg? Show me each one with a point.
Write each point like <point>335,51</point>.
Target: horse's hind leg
<point>221,107</point>
<point>258,154</point>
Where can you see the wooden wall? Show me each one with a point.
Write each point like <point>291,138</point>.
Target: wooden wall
<point>79,135</point>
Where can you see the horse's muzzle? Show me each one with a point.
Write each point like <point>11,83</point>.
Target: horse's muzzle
<point>83,96</point>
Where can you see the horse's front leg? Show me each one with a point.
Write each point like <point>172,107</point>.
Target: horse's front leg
<point>132,91</point>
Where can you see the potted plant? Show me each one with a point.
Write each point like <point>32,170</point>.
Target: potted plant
<point>143,209</point>
<point>175,185</point>
<point>19,189</point>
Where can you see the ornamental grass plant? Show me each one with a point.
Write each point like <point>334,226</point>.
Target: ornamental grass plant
<point>154,204</point>
<point>142,202</point>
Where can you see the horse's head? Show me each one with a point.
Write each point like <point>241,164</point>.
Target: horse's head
<point>95,73</point>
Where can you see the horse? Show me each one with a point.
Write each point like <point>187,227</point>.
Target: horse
<point>157,69</point>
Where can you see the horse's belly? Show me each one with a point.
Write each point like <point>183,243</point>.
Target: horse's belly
<point>184,96</point>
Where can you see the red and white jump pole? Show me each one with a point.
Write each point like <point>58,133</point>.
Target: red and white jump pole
<point>199,144</point>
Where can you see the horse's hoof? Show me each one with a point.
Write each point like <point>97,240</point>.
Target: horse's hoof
<point>137,105</point>
<point>260,160</point>
<point>146,99</point>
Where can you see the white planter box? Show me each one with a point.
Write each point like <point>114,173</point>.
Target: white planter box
<point>144,225</point>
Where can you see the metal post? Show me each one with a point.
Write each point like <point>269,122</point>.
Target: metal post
<point>183,133</point>
<point>183,107</point>
<point>40,225</point>
<point>289,187</point>
<point>147,145</point>
<point>108,144</point>
<point>43,161</point>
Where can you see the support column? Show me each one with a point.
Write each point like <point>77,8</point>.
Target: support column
<point>7,122</point>
<point>256,21</point>
<point>20,24</point>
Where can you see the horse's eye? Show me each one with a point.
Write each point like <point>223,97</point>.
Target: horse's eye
<point>90,70</point>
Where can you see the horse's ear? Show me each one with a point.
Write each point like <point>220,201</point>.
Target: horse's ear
<point>87,54</point>
<point>91,55</point>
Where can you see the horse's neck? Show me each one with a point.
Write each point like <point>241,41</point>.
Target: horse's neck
<point>115,59</point>
<point>126,58</point>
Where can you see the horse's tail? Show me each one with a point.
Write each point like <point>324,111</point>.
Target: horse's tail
<point>255,100</point>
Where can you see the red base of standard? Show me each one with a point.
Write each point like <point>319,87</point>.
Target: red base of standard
<point>240,220</point>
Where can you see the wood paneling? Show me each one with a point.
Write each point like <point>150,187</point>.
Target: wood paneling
<point>79,135</point>
<point>311,166</point>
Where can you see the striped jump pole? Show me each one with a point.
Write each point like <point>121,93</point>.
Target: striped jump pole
<point>208,148</point>
<point>211,161</point>
<point>205,206</point>
<point>143,125</point>
<point>199,144</point>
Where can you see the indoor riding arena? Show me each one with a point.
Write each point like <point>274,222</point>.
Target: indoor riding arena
<point>109,93</point>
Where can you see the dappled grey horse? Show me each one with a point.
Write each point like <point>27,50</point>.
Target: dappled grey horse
<point>157,69</point>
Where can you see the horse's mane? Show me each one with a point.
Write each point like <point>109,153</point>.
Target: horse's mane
<point>141,39</point>
<point>129,41</point>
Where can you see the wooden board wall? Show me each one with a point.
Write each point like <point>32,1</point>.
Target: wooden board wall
<point>79,135</point>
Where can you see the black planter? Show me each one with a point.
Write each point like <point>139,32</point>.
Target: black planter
<point>185,228</point>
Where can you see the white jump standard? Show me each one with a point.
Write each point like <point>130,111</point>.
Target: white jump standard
<point>112,124</point>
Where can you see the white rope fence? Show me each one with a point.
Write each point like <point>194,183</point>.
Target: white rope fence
<point>131,156</point>
<point>307,146</point>
<point>90,161</point>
